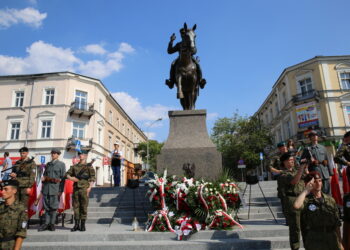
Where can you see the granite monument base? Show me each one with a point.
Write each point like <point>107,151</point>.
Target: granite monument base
<point>188,149</point>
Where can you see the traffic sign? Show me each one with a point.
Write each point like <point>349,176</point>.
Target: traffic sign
<point>77,145</point>
<point>261,156</point>
<point>42,159</point>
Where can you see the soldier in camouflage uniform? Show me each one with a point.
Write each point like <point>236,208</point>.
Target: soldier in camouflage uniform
<point>343,153</point>
<point>320,214</point>
<point>52,188</point>
<point>290,181</point>
<point>13,218</point>
<point>83,176</point>
<point>24,172</point>
<point>275,167</point>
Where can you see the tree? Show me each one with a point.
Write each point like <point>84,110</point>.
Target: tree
<point>238,138</point>
<point>154,150</point>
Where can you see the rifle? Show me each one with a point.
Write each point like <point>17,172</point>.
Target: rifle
<point>16,165</point>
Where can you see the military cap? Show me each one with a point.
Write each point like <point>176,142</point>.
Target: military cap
<point>285,156</point>
<point>85,152</point>
<point>312,133</point>
<point>55,151</point>
<point>13,183</point>
<point>23,149</point>
<point>281,144</point>
<point>116,143</point>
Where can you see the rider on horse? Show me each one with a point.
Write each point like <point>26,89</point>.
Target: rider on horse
<point>177,48</point>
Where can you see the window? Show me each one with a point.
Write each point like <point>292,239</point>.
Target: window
<point>345,80</point>
<point>49,96</point>
<point>276,108</point>
<point>271,114</point>
<point>78,129</point>
<point>99,136</point>
<point>110,141</point>
<point>288,129</point>
<point>123,128</point>
<point>15,129</point>
<point>19,97</point>
<point>267,118</point>
<point>284,98</point>
<point>80,100</point>
<point>100,106</point>
<point>110,116</point>
<point>118,123</point>
<point>46,128</point>
<point>305,86</point>
<point>348,112</point>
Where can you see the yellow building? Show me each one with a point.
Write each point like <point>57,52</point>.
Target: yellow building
<point>314,94</point>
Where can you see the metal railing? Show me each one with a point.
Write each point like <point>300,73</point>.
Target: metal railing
<point>305,95</point>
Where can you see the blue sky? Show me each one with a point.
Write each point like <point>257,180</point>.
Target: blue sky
<point>243,46</point>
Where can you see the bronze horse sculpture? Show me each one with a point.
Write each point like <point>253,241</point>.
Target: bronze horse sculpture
<point>185,71</point>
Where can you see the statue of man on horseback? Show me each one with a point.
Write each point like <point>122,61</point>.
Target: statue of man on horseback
<point>185,71</point>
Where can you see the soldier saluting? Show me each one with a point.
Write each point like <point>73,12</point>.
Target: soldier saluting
<point>83,176</point>
<point>13,217</point>
<point>24,172</point>
<point>52,188</point>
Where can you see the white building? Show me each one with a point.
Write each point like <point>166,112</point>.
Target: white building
<point>43,111</point>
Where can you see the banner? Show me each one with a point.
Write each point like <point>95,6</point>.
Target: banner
<point>307,115</point>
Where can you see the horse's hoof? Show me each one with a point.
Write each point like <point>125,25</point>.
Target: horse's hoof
<point>169,84</point>
<point>202,83</point>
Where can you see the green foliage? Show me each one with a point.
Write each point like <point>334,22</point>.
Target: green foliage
<point>154,150</point>
<point>238,138</point>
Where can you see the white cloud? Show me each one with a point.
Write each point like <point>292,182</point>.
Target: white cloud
<point>126,48</point>
<point>44,57</point>
<point>134,108</point>
<point>29,16</point>
<point>94,49</point>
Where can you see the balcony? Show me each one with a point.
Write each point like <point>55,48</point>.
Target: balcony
<point>306,96</point>
<point>85,144</point>
<point>81,109</point>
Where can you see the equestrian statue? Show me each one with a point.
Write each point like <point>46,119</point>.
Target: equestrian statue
<point>185,70</point>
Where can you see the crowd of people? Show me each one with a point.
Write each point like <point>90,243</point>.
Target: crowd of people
<point>17,181</point>
<point>304,189</point>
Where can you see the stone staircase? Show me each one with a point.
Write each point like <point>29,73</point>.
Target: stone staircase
<point>111,211</point>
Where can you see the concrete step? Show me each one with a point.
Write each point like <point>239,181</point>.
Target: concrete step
<point>260,215</point>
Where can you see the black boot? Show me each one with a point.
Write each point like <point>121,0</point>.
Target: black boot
<point>82,226</point>
<point>52,227</point>
<point>76,226</point>
<point>44,227</point>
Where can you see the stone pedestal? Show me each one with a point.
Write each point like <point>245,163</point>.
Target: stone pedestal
<point>189,143</point>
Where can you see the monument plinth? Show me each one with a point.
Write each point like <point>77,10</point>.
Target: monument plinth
<point>188,144</point>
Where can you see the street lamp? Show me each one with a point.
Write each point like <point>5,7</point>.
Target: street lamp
<point>148,127</point>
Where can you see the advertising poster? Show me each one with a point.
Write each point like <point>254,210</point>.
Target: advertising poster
<point>307,115</point>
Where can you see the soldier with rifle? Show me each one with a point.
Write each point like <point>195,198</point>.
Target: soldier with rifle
<point>83,176</point>
<point>24,172</point>
<point>52,189</point>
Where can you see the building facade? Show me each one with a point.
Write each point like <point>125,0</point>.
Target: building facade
<point>314,94</point>
<point>66,111</point>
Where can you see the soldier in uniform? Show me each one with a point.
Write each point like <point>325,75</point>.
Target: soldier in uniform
<point>291,183</point>
<point>275,167</point>
<point>13,218</point>
<point>320,161</point>
<point>52,188</point>
<point>320,214</point>
<point>343,153</point>
<point>24,172</point>
<point>83,176</point>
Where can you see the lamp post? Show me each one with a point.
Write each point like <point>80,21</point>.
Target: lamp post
<point>148,127</point>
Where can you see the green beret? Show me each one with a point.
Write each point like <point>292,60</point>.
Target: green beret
<point>84,152</point>
<point>13,183</point>
<point>281,144</point>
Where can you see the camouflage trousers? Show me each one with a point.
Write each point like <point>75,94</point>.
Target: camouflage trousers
<point>293,219</point>
<point>22,196</point>
<point>7,245</point>
<point>80,203</point>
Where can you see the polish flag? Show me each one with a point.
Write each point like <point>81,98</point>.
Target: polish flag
<point>32,198</point>
<point>66,197</point>
<point>335,188</point>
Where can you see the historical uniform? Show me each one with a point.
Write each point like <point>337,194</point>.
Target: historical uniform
<point>13,223</point>
<point>85,173</point>
<point>321,165</point>
<point>52,185</point>
<point>321,219</point>
<point>292,216</point>
<point>25,171</point>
